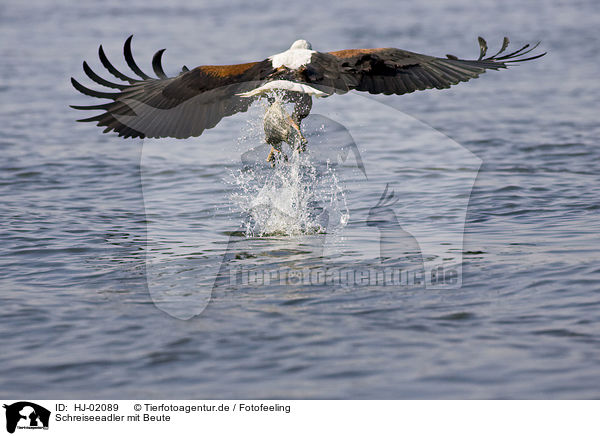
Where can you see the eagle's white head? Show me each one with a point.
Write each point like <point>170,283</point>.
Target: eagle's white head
<point>296,56</point>
<point>301,44</point>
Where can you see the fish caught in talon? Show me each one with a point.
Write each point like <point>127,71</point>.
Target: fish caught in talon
<point>280,127</point>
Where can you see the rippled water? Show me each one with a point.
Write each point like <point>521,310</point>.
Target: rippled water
<point>107,245</point>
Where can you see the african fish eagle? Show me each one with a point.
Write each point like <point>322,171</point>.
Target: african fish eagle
<point>197,99</point>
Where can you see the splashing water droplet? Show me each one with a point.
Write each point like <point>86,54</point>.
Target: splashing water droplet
<point>295,197</point>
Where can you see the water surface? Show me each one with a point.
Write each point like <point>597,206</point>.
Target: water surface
<point>78,209</point>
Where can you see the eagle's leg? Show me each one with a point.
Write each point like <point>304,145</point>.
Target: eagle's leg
<point>302,107</point>
<point>301,142</point>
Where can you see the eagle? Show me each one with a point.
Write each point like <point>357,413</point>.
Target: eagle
<point>197,99</point>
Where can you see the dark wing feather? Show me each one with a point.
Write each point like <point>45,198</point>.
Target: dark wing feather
<point>96,78</point>
<point>157,64</point>
<point>130,61</point>
<point>394,71</point>
<point>180,106</point>
<point>106,63</point>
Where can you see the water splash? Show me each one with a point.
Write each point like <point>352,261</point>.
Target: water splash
<point>296,197</point>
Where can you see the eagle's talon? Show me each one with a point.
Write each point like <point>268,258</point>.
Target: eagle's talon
<point>302,144</point>
<point>276,154</point>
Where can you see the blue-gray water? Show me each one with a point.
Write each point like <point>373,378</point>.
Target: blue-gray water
<point>76,312</point>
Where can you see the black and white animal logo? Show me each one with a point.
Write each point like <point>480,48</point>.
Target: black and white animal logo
<point>26,415</point>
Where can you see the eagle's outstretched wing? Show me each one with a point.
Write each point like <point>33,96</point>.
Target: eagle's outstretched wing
<point>394,71</point>
<point>198,99</point>
<point>178,107</point>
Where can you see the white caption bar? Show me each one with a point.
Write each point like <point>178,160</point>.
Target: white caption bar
<point>155,417</point>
